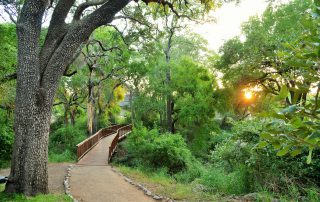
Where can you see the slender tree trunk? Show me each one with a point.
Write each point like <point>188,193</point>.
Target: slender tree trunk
<point>169,103</point>
<point>131,106</point>
<point>95,121</point>
<point>66,118</point>
<point>168,82</point>
<point>90,109</point>
<point>73,116</point>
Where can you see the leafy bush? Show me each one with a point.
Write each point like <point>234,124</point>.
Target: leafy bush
<point>161,151</point>
<point>240,151</point>
<point>63,141</point>
<point>65,156</point>
<point>6,139</point>
<point>218,180</point>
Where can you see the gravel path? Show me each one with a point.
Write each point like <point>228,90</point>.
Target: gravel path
<point>93,180</point>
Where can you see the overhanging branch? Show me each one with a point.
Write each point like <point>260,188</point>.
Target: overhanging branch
<point>8,77</point>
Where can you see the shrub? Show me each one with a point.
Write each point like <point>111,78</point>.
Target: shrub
<point>6,139</point>
<point>63,141</point>
<point>218,180</point>
<point>267,170</point>
<point>161,151</point>
<point>65,156</point>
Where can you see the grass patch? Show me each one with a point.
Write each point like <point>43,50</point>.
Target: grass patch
<point>5,164</point>
<point>66,156</point>
<point>39,198</point>
<point>162,184</point>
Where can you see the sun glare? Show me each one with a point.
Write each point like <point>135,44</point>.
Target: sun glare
<point>248,95</point>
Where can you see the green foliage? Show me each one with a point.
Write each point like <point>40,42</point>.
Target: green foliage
<point>6,138</point>
<point>8,48</point>
<point>285,67</point>
<point>63,141</point>
<point>8,62</point>
<point>297,127</point>
<point>39,198</point>
<point>277,62</point>
<point>241,151</point>
<point>218,180</point>
<point>191,85</point>
<point>160,151</point>
<point>292,132</point>
<point>162,184</point>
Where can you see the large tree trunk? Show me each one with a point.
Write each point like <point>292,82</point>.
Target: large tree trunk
<point>38,75</point>
<point>32,111</point>
<point>29,173</point>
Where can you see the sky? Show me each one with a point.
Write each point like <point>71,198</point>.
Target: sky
<point>229,18</point>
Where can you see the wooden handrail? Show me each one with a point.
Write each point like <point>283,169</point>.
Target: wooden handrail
<point>86,145</point>
<point>121,134</point>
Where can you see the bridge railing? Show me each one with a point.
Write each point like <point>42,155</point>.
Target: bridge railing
<point>86,145</point>
<point>121,134</point>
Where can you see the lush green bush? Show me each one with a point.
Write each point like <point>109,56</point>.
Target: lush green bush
<point>267,171</point>
<point>161,151</point>
<point>217,179</point>
<point>6,139</point>
<point>63,141</point>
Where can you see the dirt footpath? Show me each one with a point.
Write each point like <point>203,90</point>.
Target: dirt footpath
<point>92,179</point>
<point>57,172</point>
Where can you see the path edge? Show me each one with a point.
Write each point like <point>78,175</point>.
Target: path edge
<point>66,182</point>
<point>141,187</point>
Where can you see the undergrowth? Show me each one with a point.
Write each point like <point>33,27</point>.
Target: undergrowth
<point>231,165</point>
<point>39,198</point>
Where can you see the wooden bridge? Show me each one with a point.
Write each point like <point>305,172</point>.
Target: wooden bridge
<point>92,179</point>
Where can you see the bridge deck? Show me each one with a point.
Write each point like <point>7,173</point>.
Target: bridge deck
<point>92,179</point>
<point>98,155</point>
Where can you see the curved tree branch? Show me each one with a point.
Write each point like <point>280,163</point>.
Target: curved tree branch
<point>8,77</point>
<point>84,6</point>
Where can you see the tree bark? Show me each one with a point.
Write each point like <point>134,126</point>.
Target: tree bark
<point>38,75</point>
<point>73,112</point>
<point>90,106</point>
<point>168,82</point>
<point>169,104</point>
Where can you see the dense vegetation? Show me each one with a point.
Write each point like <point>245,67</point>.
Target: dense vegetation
<point>241,122</point>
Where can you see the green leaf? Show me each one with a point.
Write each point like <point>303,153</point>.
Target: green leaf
<point>283,151</point>
<point>266,135</point>
<point>314,135</point>
<point>296,122</point>
<point>262,144</point>
<point>276,144</point>
<point>279,116</point>
<point>283,92</point>
<point>309,159</point>
<point>296,152</point>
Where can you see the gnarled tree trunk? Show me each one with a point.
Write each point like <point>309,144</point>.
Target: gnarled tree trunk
<point>38,74</point>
